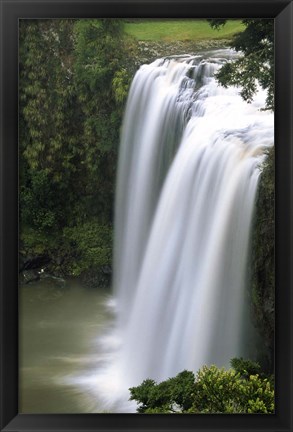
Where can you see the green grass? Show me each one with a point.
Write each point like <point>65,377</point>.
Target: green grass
<point>180,30</point>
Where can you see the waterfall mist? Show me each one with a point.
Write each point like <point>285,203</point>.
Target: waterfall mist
<point>189,167</point>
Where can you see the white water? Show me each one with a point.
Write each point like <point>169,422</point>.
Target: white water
<point>183,219</point>
<point>187,180</point>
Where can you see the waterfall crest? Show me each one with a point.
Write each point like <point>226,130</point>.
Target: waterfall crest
<point>187,181</point>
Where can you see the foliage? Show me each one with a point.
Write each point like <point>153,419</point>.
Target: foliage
<point>102,77</point>
<point>34,243</point>
<point>87,246</point>
<point>212,390</point>
<point>256,64</point>
<point>49,158</point>
<point>167,396</point>
<point>226,391</point>
<point>245,367</point>
<point>78,250</point>
<point>38,202</point>
<point>74,79</point>
<point>48,139</point>
<point>46,97</point>
<point>99,58</point>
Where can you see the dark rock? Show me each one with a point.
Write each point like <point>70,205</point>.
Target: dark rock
<point>28,276</point>
<point>29,263</point>
<point>98,278</point>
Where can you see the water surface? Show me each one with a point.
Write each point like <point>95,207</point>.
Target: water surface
<point>59,329</point>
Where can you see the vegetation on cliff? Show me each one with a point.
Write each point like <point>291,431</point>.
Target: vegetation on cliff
<point>74,79</point>
<point>262,294</point>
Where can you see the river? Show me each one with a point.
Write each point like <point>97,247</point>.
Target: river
<point>60,349</point>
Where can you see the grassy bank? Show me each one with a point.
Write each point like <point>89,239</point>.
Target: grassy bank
<point>179,30</point>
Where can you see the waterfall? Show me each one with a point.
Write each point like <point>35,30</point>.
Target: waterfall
<point>187,181</point>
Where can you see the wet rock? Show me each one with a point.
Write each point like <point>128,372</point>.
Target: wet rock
<point>28,276</point>
<point>30,263</point>
<point>149,51</point>
<point>100,278</point>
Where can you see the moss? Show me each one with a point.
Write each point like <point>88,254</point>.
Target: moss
<point>263,271</point>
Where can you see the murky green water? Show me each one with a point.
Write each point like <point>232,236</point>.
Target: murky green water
<point>59,328</point>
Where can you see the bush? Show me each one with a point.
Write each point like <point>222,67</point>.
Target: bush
<point>211,391</point>
<point>86,247</point>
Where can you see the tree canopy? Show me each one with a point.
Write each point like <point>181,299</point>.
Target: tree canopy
<point>242,389</point>
<point>73,82</point>
<point>256,64</point>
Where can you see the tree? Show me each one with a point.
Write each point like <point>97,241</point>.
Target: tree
<point>102,78</point>
<point>74,79</point>
<point>212,390</point>
<point>173,395</point>
<point>256,63</point>
<point>48,123</point>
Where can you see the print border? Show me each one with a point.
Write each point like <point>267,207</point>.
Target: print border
<point>10,12</point>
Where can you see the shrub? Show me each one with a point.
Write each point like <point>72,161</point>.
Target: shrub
<point>212,391</point>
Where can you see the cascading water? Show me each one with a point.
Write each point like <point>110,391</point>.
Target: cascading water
<point>187,179</point>
<point>188,175</point>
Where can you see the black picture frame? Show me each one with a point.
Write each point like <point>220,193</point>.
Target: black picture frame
<point>13,10</point>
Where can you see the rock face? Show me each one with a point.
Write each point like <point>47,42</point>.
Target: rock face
<point>28,263</point>
<point>149,51</point>
<point>98,278</point>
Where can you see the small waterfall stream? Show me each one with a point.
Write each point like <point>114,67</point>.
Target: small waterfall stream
<point>187,180</point>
